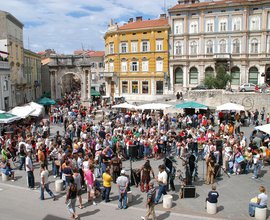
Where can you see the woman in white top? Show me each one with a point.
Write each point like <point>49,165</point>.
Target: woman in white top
<point>261,201</point>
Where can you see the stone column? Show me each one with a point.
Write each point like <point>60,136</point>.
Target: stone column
<point>84,95</point>
<point>89,84</point>
<point>171,79</point>
<point>52,76</point>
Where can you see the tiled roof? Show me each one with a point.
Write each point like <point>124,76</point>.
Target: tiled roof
<point>90,53</point>
<point>145,24</point>
<point>212,3</point>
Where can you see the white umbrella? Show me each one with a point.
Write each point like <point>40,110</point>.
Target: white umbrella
<point>154,106</point>
<point>125,105</point>
<point>39,109</point>
<point>22,111</point>
<point>264,128</point>
<point>230,107</point>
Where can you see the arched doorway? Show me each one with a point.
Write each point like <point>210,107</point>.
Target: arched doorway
<point>178,76</point>
<point>267,76</point>
<point>70,82</point>
<point>209,71</point>
<point>193,75</point>
<point>235,73</point>
<point>253,75</point>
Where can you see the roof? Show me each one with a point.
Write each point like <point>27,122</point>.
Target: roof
<point>212,4</point>
<point>145,24</point>
<point>90,53</point>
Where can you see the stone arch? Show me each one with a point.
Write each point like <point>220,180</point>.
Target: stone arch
<point>253,75</point>
<point>209,71</point>
<point>178,75</point>
<point>235,73</point>
<point>193,75</point>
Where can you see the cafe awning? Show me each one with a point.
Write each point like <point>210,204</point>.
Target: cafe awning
<point>94,92</point>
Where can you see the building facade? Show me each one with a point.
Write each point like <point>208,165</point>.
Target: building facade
<point>11,41</point>
<point>32,74</point>
<point>136,59</point>
<point>233,33</point>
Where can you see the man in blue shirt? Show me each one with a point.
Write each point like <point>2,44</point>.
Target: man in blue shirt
<point>213,195</point>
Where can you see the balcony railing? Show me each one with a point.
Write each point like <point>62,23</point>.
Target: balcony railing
<point>4,65</point>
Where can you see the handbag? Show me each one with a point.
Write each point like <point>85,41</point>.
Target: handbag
<point>239,159</point>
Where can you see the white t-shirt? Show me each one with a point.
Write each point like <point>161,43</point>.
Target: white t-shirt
<point>162,177</point>
<point>263,197</point>
<point>45,174</point>
<point>28,162</point>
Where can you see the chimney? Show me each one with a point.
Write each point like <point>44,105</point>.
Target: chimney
<point>162,16</point>
<point>139,18</point>
<point>130,20</point>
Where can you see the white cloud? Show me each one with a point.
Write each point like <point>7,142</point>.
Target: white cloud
<point>53,23</point>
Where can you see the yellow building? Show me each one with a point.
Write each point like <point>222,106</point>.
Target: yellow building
<point>136,59</point>
<point>32,74</point>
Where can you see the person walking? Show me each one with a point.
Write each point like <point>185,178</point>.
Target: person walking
<point>162,182</point>
<point>71,199</point>
<point>30,171</point>
<point>122,184</point>
<point>44,183</point>
<point>107,179</point>
<point>150,204</point>
<point>78,180</point>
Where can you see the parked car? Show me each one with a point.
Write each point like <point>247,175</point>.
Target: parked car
<point>200,87</point>
<point>248,87</point>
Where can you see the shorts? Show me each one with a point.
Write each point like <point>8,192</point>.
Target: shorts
<point>89,188</point>
<point>79,192</point>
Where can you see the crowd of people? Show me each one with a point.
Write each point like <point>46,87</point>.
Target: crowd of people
<point>89,154</point>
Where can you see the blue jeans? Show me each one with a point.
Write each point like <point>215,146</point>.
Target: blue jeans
<point>122,200</point>
<point>106,194</point>
<point>257,168</point>
<point>46,187</point>
<point>252,206</point>
<point>55,169</point>
<point>31,179</point>
<point>161,190</point>
<point>22,163</point>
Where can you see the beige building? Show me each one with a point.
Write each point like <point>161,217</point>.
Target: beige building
<point>5,85</point>
<point>11,41</point>
<point>233,33</point>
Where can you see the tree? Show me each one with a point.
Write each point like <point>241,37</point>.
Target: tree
<point>220,80</point>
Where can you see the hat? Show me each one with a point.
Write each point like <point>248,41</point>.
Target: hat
<point>123,172</point>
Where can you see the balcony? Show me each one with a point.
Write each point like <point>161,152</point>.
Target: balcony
<point>4,65</point>
<point>108,74</point>
<point>222,56</point>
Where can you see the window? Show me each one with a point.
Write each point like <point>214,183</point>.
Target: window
<point>159,65</point>
<point>178,48</point>
<point>159,87</point>
<point>193,75</point>
<point>159,45</point>
<point>209,47</point>
<point>222,46</point>
<point>111,48</point>
<point>134,66</point>
<point>210,26</point>
<point>124,66</point>
<point>135,87</point>
<point>193,48</point>
<point>254,46</point>
<point>124,47</point>
<point>5,85</point>
<point>134,46</point>
<point>193,27</point>
<point>100,65</point>
<point>209,71</point>
<point>111,66</point>
<point>145,87</point>
<point>124,86</point>
<point>236,46</point>
<point>253,75</point>
<point>254,23</point>
<point>145,46</point>
<point>223,25</point>
<point>178,76</point>
<point>144,66</point>
<point>178,27</point>
<point>236,24</point>
<point>235,72</point>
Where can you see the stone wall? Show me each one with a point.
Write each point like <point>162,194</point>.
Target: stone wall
<point>214,98</point>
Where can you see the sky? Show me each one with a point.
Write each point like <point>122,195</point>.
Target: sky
<point>68,25</point>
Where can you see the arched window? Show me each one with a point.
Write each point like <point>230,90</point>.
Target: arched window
<point>209,47</point>
<point>254,46</point>
<point>178,75</point>
<point>236,46</point>
<point>209,71</point>
<point>235,72</point>
<point>253,75</point>
<point>178,48</point>
<point>222,46</point>
<point>193,76</point>
<point>193,48</point>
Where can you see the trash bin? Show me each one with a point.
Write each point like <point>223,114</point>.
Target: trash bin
<point>211,208</point>
<point>260,213</point>
<point>129,197</point>
<point>167,201</point>
<point>59,185</point>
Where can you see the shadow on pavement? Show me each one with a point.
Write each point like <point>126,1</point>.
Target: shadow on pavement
<point>136,200</point>
<point>52,217</point>
<point>88,213</point>
<point>220,208</point>
<point>164,215</point>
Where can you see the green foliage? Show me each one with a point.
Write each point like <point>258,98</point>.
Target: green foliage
<point>220,80</point>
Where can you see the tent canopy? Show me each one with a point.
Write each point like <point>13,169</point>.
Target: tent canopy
<point>22,111</point>
<point>230,107</point>
<point>39,109</point>
<point>125,105</point>
<point>154,106</point>
<point>192,105</point>
<point>94,92</point>
<point>264,128</point>
<point>46,101</point>
<point>8,118</point>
